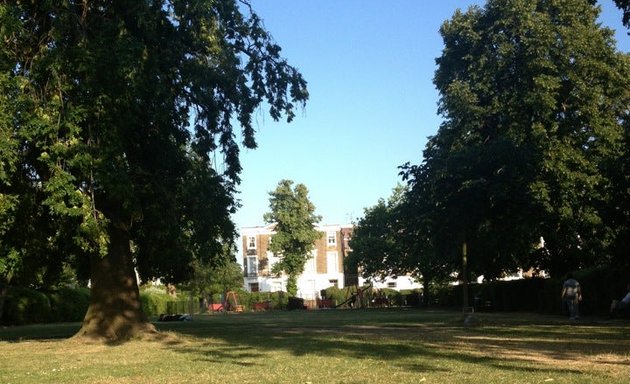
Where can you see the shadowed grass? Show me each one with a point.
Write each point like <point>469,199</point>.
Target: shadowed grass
<point>336,346</point>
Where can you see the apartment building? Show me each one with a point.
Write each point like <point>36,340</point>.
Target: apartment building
<point>323,269</point>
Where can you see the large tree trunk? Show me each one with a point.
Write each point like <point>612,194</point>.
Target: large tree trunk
<point>115,312</point>
<point>3,295</point>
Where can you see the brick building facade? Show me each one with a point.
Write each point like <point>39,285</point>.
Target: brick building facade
<point>323,269</point>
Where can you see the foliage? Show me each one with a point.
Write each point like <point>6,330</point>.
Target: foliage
<point>220,278</point>
<point>25,306</point>
<point>336,294</point>
<point>624,5</point>
<point>68,304</point>
<point>600,285</point>
<point>394,238</point>
<point>112,118</point>
<point>376,246</point>
<point>276,300</point>
<point>295,303</point>
<point>154,302</point>
<point>28,306</point>
<point>294,217</point>
<point>533,95</point>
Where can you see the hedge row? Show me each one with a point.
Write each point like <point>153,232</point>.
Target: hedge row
<point>385,296</point>
<point>599,287</point>
<point>155,303</point>
<point>28,306</point>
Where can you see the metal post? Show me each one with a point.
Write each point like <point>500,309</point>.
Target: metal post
<point>465,275</point>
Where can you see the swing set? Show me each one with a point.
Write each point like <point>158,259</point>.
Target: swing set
<point>229,304</point>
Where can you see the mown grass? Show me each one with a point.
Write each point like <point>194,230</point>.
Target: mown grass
<point>335,346</point>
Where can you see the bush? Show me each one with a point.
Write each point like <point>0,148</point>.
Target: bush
<point>600,286</point>
<point>276,300</point>
<point>393,296</point>
<point>295,303</point>
<point>511,295</point>
<point>155,303</point>
<point>335,294</point>
<point>412,298</point>
<point>445,296</point>
<point>69,304</point>
<point>25,306</point>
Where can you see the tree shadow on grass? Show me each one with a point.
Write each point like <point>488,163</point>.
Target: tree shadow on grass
<point>409,340</point>
<point>413,341</point>
<point>54,331</point>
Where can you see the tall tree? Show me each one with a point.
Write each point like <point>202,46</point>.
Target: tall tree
<point>111,114</point>
<point>294,217</point>
<point>532,94</point>
<point>394,238</point>
<point>377,249</point>
<point>375,245</point>
<point>430,251</point>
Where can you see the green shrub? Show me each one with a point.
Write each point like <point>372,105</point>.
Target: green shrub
<point>243,297</point>
<point>295,303</point>
<point>411,297</point>
<point>69,304</point>
<point>179,306</point>
<point>445,296</point>
<point>25,306</point>
<point>393,296</point>
<point>600,286</point>
<point>276,300</point>
<point>155,303</point>
<point>216,298</point>
<point>337,295</point>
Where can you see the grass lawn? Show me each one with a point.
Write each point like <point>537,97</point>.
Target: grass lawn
<point>334,346</point>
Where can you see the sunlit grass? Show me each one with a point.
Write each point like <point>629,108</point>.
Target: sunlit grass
<point>335,346</point>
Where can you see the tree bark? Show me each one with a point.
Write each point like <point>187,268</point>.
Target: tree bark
<point>3,295</point>
<point>115,312</point>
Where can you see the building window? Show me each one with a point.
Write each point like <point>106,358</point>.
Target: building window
<point>254,287</point>
<point>251,242</point>
<point>332,262</point>
<point>391,284</point>
<point>332,238</point>
<point>334,283</point>
<point>311,263</point>
<point>252,266</point>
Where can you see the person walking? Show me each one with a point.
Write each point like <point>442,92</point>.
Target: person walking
<point>571,296</point>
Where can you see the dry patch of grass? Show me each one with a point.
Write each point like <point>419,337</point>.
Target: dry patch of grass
<point>335,347</point>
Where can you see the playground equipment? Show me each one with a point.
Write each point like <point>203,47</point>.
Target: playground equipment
<point>356,298</point>
<point>229,304</point>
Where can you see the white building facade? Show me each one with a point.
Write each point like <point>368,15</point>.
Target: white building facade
<point>322,270</point>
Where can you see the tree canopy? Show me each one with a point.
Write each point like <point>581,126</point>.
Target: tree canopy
<point>624,5</point>
<point>293,214</point>
<point>112,118</point>
<point>534,96</point>
<point>377,249</point>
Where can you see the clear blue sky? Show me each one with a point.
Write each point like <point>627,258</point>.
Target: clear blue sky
<point>369,66</point>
